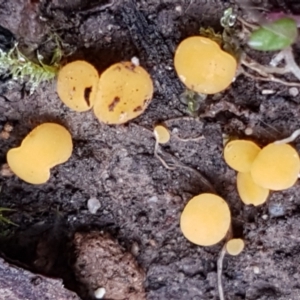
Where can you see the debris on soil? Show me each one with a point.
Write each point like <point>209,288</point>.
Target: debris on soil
<point>5,171</point>
<point>102,263</point>
<point>19,284</point>
<point>93,205</point>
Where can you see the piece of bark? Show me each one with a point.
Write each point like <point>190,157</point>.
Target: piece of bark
<point>19,284</point>
<point>102,263</point>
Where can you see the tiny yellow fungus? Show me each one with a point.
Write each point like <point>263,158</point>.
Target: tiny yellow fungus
<point>276,167</point>
<point>44,147</point>
<point>203,66</point>
<point>240,154</point>
<point>77,85</point>
<point>235,246</point>
<point>124,92</point>
<point>162,134</point>
<point>249,191</point>
<point>205,219</point>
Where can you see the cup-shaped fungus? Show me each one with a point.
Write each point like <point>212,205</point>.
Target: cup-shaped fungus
<point>205,219</point>
<point>124,92</point>
<point>240,154</point>
<point>77,85</point>
<point>276,167</point>
<point>162,134</point>
<point>249,191</point>
<point>203,66</point>
<point>44,147</point>
<point>235,246</point>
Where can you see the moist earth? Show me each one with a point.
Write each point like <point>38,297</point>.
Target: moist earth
<point>140,199</point>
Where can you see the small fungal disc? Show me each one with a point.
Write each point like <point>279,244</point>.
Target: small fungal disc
<point>249,191</point>
<point>44,147</point>
<point>205,219</point>
<point>162,134</point>
<point>124,92</point>
<point>235,246</point>
<point>276,167</point>
<point>240,154</point>
<point>203,66</point>
<point>77,85</point>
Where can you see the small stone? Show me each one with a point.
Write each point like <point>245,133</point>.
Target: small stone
<point>93,205</point>
<point>135,61</point>
<point>256,270</point>
<point>6,171</point>
<point>293,91</point>
<point>248,131</point>
<point>135,249</point>
<point>8,127</point>
<point>99,293</point>
<point>153,199</point>
<point>265,217</point>
<point>178,8</point>
<point>4,135</point>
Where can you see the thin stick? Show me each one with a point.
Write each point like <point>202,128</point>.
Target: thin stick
<point>195,139</point>
<point>220,270</point>
<point>289,139</point>
<point>270,78</point>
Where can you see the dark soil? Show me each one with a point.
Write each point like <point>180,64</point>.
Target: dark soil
<point>141,201</point>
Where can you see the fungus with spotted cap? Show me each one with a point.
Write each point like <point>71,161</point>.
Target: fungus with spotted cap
<point>43,148</point>
<point>124,92</point>
<point>77,85</point>
<point>240,154</point>
<point>235,246</point>
<point>205,219</point>
<point>249,191</point>
<point>276,167</point>
<point>203,66</point>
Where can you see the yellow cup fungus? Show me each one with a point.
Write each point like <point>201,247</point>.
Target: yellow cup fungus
<point>203,66</point>
<point>240,154</point>
<point>124,92</point>
<point>77,85</point>
<point>276,167</point>
<point>235,246</point>
<point>249,191</point>
<point>205,219</point>
<point>162,134</point>
<point>44,147</point>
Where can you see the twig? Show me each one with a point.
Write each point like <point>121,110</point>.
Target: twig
<point>176,163</point>
<point>195,139</point>
<point>289,139</point>
<point>261,69</point>
<point>270,78</point>
<point>164,163</point>
<point>220,270</point>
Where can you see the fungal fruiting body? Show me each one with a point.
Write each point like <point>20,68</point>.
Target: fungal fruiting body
<point>124,92</point>
<point>205,219</point>
<point>240,154</point>
<point>249,191</point>
<point>276,167</point>
<point>77,85</point>
<point>203,66</point>
<point>162,134</point>
<point>235,246</point>
<point>43,148</point>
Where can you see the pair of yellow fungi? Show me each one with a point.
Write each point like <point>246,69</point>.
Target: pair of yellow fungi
<point>43,148</point>
<point>275,167</point>
<point>206,220</point>
<point>122,92</point>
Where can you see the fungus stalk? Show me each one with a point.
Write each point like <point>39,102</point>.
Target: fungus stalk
<point>220,264</point>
